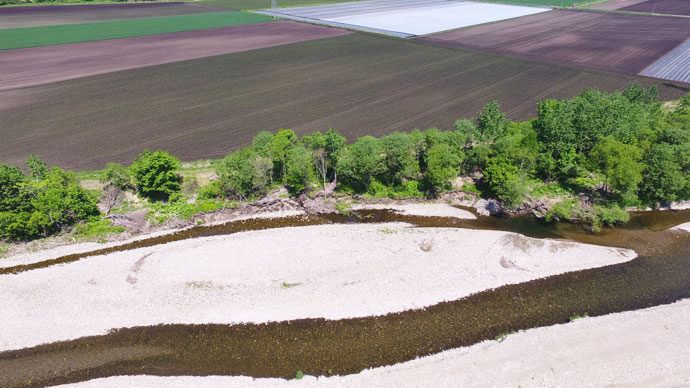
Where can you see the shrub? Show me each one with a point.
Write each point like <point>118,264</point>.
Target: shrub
<point>155,174</point>
<point>37,168</point>
<point>116,175</point>
<point>211,190</point>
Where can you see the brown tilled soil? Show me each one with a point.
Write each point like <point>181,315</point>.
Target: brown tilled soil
<point>45,15</point>
<point>41,65</point>
<point>205,108</point>
<point>669,7</point>
<point>614,42</point>
<point>616,4</point>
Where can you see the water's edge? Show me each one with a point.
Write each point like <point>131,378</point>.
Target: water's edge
<point>660,275</point>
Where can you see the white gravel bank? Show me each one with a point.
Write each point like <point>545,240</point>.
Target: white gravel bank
<point>685,227</point>
<point>40,254</point>
<point>644,348</point>
<point>421,209</point>
<point>331,271</point>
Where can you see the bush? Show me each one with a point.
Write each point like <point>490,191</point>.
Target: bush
<point>116,175</point>
<point>155,174</point>
<point>610,216</point>
<point>211,190</point>
<point>504,181</point>
<point>46,206</point>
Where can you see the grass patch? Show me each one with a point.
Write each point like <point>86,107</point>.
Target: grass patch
<point>388,231</point>
<point>13,38</point>
<point>96,230</point>
<point>502,336</point>
<point>344,208</point>
<point>160,212</point>
<point>578,316</point>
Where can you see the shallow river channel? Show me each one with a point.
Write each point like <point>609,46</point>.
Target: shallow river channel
<point>660,275</point>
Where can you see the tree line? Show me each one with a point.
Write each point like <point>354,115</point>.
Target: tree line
<point>615,149</point>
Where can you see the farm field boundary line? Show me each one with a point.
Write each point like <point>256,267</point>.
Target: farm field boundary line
<point>46,15</point>
<point>15,38</point>
<point>41,65</point>
<point>208,107</point>
<point>624,44</point>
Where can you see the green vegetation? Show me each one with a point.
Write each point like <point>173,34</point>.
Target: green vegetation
<point>97,229</point>
<point>590,157</point>
<point>299,375</point>
<point>32,207</point>
<point>502,336</point>
<point>13,38</point>
<point>155,175</point>
<point>578,316</point>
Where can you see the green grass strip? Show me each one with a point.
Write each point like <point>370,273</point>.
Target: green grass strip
<point>13,38</point>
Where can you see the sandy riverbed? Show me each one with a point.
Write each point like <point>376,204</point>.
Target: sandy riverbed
<point>643,348</point>
<point>37,251</point>
<point>331,271</point>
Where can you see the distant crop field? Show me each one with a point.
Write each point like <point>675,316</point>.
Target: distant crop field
<point>14,38</point>
<point>48,15</point>
<point>204,108</point>
<point>615,42</point>
<point>548,3</point>
<point>262,4</point>
<point>670,7</point>
<point>42,65</point>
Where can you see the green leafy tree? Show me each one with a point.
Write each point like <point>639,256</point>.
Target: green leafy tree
<point>504,181</point>
<point>116,175</point>
<point>48,206</point>
<point>236,173</point>
<point>441,166</point>
<point>155,174</point>
<point>335,142</point>
<point>664,179</point>
<point>619,163</point>
<point>360,162</point>
<point>12,180</point>
<point>37,168</point>
<point>399,158</point>
<point>281,143</point>
<point>300,168</point>
<point>262,144</point>
<point>491,122</point>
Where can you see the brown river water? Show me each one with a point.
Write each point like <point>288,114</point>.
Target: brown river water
<point>660,275</point>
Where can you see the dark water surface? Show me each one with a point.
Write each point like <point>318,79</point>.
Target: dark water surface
<point>660,275</point>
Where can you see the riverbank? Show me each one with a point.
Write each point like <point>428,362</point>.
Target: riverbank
<point>635,348</point>
<point>330,271</point>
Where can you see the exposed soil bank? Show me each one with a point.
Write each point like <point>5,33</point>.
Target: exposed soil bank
<point>322,271</point>
<point>637,348</point>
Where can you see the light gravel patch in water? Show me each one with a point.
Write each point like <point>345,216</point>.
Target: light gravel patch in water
<point>421,209</point>
<point>636,348</point>
<point>685,227</point>
<point>329,271</point>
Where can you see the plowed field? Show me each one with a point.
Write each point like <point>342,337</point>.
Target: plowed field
<point>41,65</point>
<point>46,15</point>
<point>615,42</point>
<point>204,108</point>
<point>669,7</point>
